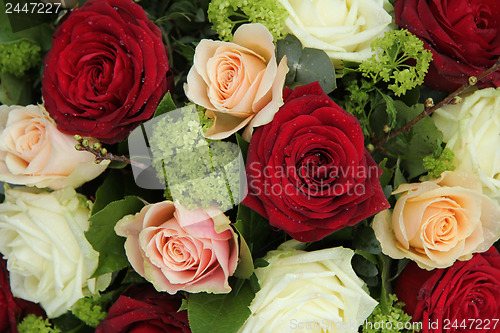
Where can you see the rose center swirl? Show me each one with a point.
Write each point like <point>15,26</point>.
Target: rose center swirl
<point>315,168</point>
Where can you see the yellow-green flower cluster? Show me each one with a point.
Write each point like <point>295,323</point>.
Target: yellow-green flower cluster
<point>196,171</point>
<point>396,320</point>
<point>390,61</point>
<point>226,14</point>
<point>89,310</point>
<point>19,56</point>
<point>35,324</point>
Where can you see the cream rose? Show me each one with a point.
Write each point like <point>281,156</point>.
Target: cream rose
<point>308,292</point>
<point>239,83</point>
<point>471,129</point>
<point>178,249</point>
<point>344,29</point>
<point>34,152</point>
<point>42,237</point>
<point>437,222</point>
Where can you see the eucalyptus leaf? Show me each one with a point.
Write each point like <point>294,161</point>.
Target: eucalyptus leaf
<point>292,48</point>
<point>365,240</point>
<point>101,234</point>
<point>364,267</point>
<point>315,65</point>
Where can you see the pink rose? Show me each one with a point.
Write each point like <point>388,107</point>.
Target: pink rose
<point>178,249</point>
<point>34,152</point>
<point>239,83</point>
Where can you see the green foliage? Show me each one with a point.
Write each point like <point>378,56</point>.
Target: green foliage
<point>89,310</point>
<point>390,63</point>
<point>306,65</point>
<point>423,139</point>
<point>256,230</point>
<point>388,322</point>
<point>205,122</point>
<point>165,105</point>
<point>436,164</point>
<point>35,324</point>
<point>102,236</point>
<point>19,56</point>
<point>226,14</point>
<point>220,313</point>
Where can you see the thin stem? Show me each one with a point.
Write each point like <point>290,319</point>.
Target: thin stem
<point>103,154</point>
<point>430,109</point>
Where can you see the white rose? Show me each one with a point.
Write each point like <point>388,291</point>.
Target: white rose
<point>471,129</point>
<point>344,29</point>
<point>308,292</point>
<point>48,257</point>
<point>34,152</point>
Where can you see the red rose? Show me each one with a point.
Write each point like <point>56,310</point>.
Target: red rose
<point>107,70</point>
<point>144,310</point>
<point>308,170</point>
<point>463,35</point>
<point>462,298</point>
<point>11,308</point>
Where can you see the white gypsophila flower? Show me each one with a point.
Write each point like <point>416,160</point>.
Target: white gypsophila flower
<point>308,292</point>
<point>48,257</point>
<point>471,129</point>
<point>344,29</point>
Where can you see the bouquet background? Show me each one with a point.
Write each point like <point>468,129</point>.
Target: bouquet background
<point>244,166</point>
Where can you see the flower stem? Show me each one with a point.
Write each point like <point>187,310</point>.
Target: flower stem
<point>101,153</point>
<point>429,109</point>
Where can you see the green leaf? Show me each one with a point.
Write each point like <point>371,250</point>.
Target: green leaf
<point>386,174</point>
<point>243,146</point>
<point>390,109</point>
<point>260,262</point>
<point>384,263</point>
<point>399,178</point>
<point>401,266</point>
<point>102,236</point>
<point>254,228</point>
<point>166,105</point>
<point>363,266</point>
<point>71,324</point>
<point>292,48</point>
<point>14,91</point>
<point>220,313</point>
<point>108,192</point>
<point>245,261</point>
<point>364,239</point>
<point>315,65</point>
<point>117,185</point>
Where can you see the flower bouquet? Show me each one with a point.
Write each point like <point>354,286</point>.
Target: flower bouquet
<point>250,166</point>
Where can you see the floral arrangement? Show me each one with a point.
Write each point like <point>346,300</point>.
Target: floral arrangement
<point>250,166</point>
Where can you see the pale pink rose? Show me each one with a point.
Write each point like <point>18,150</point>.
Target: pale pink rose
<point>239,83</point>
<point>437,222</point>
<point>178,249</point>
<point>34,152</point>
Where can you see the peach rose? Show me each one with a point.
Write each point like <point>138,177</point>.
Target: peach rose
<point>239,83</point>
<point>34,152</point>
<point>436,222</point>
<point>177,249</point>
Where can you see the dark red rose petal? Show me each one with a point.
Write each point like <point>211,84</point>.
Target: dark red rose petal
<point>463,36</point>
<point>308,170</point>
<point>107,70</point>
<point>468,291</point>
